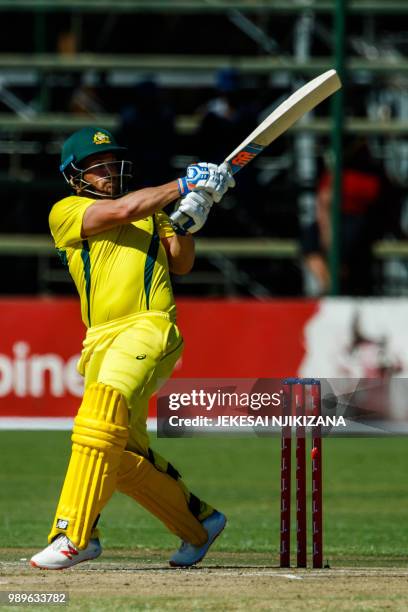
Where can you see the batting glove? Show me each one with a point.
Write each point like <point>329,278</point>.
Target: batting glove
<point>227,179</point>
<point>191,212</point>
<point>214,179</point>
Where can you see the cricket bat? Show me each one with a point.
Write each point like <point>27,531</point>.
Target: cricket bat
<point>281,119</point>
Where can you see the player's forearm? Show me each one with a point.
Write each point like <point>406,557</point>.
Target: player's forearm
<point>102,215</point>
<point>145,202</point>
<point>323,218</point>
<point>180,253</point>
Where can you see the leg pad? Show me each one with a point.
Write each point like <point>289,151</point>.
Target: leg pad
<point>99,437</point>
<point>161,495</point>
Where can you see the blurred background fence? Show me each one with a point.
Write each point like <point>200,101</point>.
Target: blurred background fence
<point>182,80</point>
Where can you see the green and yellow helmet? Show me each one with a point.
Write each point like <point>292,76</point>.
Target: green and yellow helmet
<point>90,141</point>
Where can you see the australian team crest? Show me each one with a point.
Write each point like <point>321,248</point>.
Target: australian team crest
<point>101,138</point>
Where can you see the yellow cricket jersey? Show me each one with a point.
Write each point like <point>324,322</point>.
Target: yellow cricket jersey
<point>118,272</point>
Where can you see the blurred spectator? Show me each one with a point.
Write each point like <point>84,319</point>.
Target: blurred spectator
<point>369,202</point>
<point>67,43</point>
<point>147,130</point>
<point>85,99</point>
<point>226,120</point>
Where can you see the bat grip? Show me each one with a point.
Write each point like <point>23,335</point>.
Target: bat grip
<point>181,221</point>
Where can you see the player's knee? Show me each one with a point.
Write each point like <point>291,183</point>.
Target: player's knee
<point>102,420</point>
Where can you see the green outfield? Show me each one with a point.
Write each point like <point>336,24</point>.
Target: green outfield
<point>365,496</point>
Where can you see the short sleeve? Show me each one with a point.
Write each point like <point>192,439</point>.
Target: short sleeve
<point>66,220</point>
<point>163,225</point>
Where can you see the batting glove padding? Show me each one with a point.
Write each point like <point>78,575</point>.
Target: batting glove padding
<point>192,211</point>
<point>226,173</point>
<point>214,179</point>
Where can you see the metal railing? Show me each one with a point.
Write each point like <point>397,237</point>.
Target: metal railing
<point>185,124</point>
<point>224,257</point>
<point>246,64</point>
<point>248,248</point>
<point>198,6</point>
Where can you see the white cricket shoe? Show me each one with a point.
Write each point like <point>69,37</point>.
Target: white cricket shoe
<point>188,554</point>
<point>62,553</point>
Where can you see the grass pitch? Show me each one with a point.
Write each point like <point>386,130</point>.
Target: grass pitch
<point>365,524</point>
<point>365,495</point>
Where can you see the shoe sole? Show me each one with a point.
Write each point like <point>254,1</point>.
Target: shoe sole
<point>174,564</point>
<point>42,567</point>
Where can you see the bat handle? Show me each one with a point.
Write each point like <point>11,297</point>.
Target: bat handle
<point>181,221</point>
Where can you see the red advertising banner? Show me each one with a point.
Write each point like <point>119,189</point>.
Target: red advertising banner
<point>39,348</point>
<point>243,338</point>
<point>41,340</point>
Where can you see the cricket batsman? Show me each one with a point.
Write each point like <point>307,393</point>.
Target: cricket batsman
<point>120,248</point>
